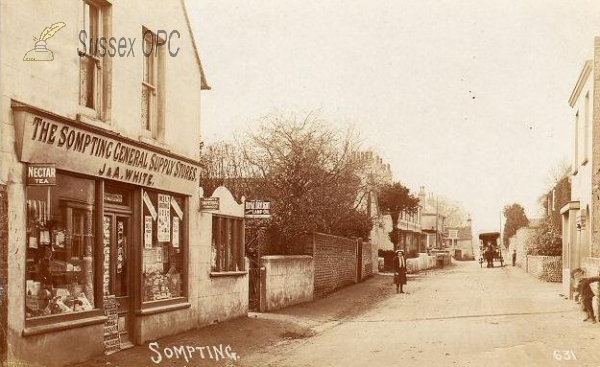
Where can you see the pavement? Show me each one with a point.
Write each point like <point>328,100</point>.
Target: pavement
<point>462,315</point>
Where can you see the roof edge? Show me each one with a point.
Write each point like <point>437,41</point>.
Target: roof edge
<point>203,82</point>
<point>585,72</point>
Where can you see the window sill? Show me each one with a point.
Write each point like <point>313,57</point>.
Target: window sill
<point>93,318</point>
<point>154,307</point>
<point>214,274</point>
<point>88,116</point>
<point>153,142</point>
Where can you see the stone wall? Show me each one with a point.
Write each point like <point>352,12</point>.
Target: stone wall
<point>3,271</point>
<point>335,260</point>
<point>423,262</point>
<point>288,280</point>
<point>591,266</point>
<point>519,242</point>
<point>547,268</point>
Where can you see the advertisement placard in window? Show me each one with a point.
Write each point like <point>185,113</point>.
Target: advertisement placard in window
<point>164,218</point>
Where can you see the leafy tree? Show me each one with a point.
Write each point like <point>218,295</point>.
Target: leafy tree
<point>546,240</point>
<point>515,219</point>
<point>394,199</point>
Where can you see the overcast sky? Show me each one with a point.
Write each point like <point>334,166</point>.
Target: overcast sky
<point>467,98</point>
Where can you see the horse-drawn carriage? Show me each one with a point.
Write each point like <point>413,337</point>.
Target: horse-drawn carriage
<point>489,249</point>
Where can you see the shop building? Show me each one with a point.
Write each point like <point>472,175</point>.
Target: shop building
<point>99,165</point>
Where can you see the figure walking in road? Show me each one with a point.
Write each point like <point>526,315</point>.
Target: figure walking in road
<point>586,297</point>
<point>399,271</point>
<point>514,257</point>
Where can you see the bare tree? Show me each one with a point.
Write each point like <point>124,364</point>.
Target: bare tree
<point>308,171</point>
<point>453,212</point>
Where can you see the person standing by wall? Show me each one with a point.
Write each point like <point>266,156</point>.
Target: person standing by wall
<point>587,294</point>
<point>514,257</point>
<point>399,271</point>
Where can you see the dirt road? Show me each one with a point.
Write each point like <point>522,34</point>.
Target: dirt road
<point>462,316</point>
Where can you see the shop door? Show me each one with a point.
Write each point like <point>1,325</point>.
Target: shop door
<point>118,228</point>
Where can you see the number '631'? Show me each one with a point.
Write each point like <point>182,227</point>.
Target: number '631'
<point>564,355</point>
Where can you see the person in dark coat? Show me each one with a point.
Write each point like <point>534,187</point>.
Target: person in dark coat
<point>489,255</point>
<point>586,297</point>
<point>399,271</point>
<point>514,257</point>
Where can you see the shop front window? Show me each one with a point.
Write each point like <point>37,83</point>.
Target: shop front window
<point>227,244</point>
<point>164,246</point>
<point>60,258</point>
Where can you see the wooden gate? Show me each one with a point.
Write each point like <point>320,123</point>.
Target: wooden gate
<point>254,289</point>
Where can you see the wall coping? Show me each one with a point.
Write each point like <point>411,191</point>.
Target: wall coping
<point>285,257</point>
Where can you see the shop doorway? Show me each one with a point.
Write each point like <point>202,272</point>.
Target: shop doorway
<point>117,252</point>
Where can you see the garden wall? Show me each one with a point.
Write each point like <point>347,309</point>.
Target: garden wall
<point>423,262</point>
<point>547,268</point>
<point>288,280</point>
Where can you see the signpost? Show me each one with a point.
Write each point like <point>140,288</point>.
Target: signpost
<point>207,204</point>
<point>257,209</point>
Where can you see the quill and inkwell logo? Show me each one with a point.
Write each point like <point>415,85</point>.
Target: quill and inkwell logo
<point>40,52</point>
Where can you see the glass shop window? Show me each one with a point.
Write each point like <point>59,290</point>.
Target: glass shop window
<point>227,244</point>
<point>163,246</point>
<point>60,258</point>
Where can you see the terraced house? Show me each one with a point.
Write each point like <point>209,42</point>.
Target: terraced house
<point>102,242</point>
<point>581,215</point>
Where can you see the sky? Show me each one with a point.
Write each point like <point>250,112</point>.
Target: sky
<point>467,98</point>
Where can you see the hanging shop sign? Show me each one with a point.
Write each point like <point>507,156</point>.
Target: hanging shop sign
<point>97,152</point>
<point>207,204</point>
<point>41,174</point>
<point>257,209</point>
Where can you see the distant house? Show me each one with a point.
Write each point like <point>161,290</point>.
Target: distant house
<point>432,222</point>
<point>460,240</point>
<point>555,199</point>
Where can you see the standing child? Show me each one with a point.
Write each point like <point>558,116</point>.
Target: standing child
<point>587,294</point>
<point>399,271</point>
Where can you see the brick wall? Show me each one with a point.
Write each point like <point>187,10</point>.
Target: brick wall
<point>546,268</point>
<point>367,260</point>
<point>595,245</point>
<point>3,271</point>
<point>335,260</point>
<point>562,195</point>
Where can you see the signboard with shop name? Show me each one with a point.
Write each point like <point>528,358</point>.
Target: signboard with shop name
<point>207,204</point>
<point>93,151</point>
<point>257,209</point>
<point>43,174</point>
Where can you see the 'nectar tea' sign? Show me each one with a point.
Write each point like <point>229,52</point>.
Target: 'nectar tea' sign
<point>43,174</point>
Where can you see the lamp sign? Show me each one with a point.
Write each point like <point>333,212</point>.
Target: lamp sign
<point>209,204</point>
<point>257,209</point>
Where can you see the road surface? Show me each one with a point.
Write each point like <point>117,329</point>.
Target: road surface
<point>463,315</point>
